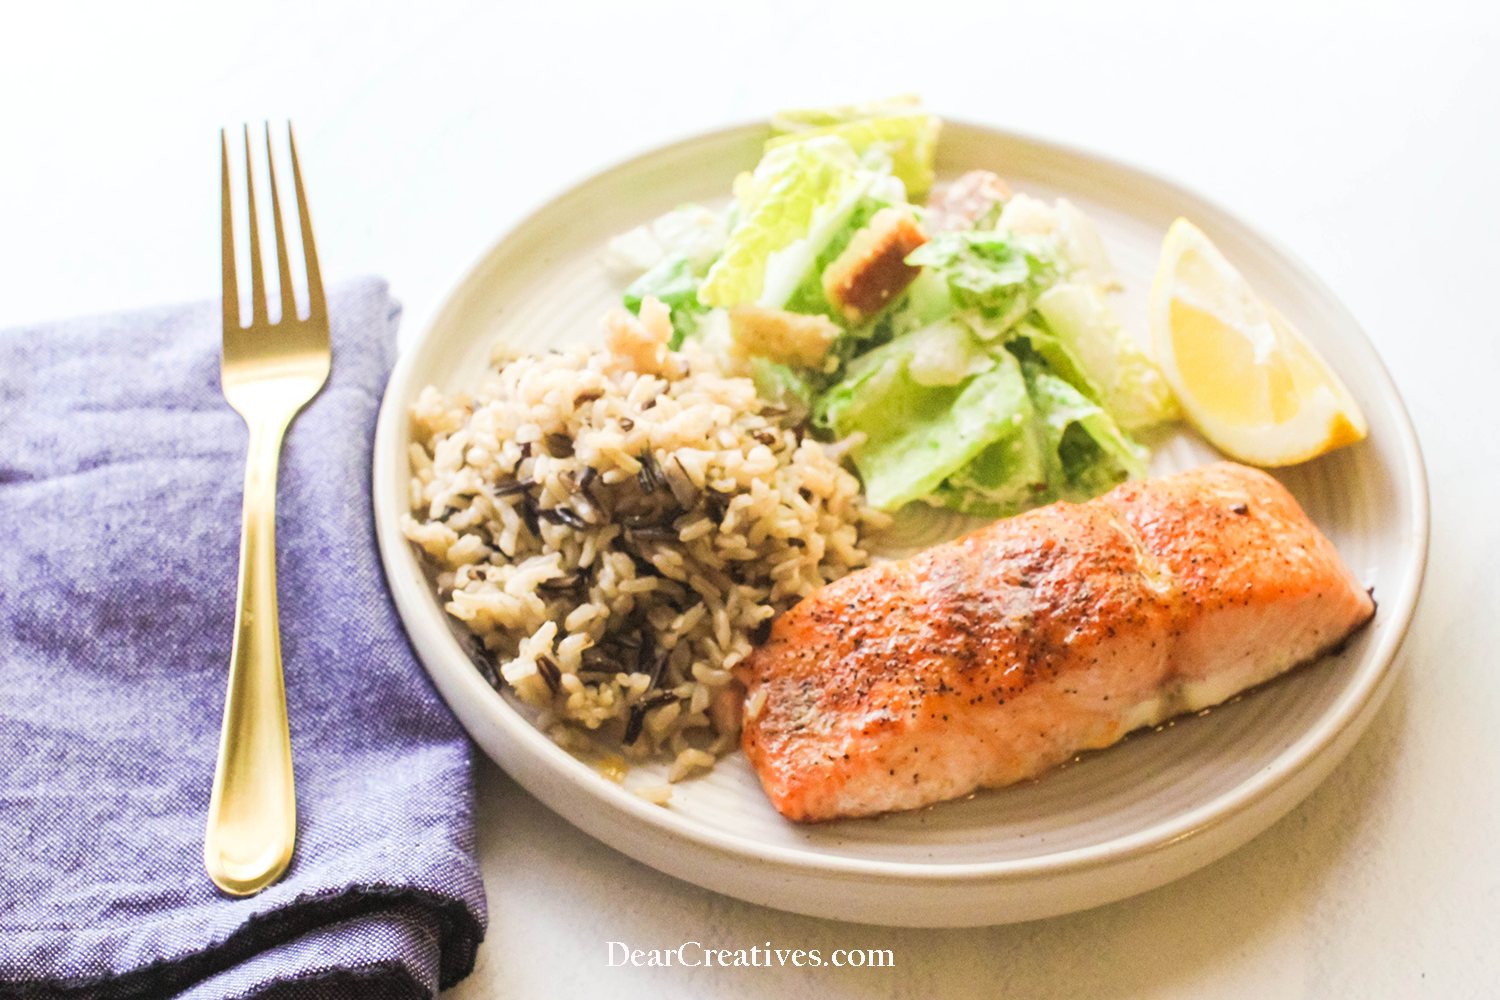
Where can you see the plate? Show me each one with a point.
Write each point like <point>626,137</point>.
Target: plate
<point>1102,827</point>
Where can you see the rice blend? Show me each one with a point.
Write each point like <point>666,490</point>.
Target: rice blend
<point>617,526</point>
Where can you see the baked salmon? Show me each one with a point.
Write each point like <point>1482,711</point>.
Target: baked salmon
<point>994,657</point>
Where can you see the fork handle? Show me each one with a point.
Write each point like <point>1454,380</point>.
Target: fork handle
<point>252,814</point>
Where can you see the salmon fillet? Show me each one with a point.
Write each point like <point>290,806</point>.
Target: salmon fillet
<point>991,658</point>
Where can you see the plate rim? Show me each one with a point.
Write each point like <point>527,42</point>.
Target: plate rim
<point>1352,708</point>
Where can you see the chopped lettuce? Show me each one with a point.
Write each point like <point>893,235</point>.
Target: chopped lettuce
<point>793,191</point>
<point>1011,473</point>
<point>1006,478</point>
<point>999,379</point>
<point>984,439</point>
<point>783,386</point>
<point>1122,377</point>
<point>1071,451</point>
<point>691,230</point>
<point>909,139</point>
<point>946,353</point>
<point>1082,246</point>
<point>844,404</point>
<point>793,265</point>
<point>1087,452</point>
<point>996,273</point>
<point>916,436</point>
<point>1031,341</point>
<point>926,300</point>
<point>808,118</point>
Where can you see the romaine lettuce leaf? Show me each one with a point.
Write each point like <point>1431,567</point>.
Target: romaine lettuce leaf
<point>793,189</point>
<point>846,401</point>
<point>691,229</point>
<point>1032,342</point>
<point>909,139</point>
<point>917,436</point>
<point>801,119</point>
<point>795,264</point>
<point>1083,248</point>
<point>996,273</point>
<point>1121,375</point>
<point>1086,452</point>
<point>845,394</point>
<point>925,301</point>
<point>946,353</point>
<point>1010,474</point>
<point>783,386</point>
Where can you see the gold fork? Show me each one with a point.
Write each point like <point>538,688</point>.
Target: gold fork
<point>270,372</point>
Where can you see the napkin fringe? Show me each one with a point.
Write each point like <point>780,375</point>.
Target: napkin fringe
<point>381,981</point>
<point>459,935</point>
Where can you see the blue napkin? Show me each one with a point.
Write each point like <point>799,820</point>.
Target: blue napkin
<point>121,467</point>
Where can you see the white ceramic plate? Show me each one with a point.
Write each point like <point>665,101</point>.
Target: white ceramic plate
<point>1117,822</point>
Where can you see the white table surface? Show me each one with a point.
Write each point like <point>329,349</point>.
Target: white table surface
<point>1365,137</point>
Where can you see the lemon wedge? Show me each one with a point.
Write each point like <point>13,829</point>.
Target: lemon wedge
<point>1247,379</point>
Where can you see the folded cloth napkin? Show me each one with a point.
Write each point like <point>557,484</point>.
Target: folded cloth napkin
<point>121,471</point>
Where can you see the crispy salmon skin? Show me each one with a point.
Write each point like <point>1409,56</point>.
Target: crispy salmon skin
<point>989,659</point>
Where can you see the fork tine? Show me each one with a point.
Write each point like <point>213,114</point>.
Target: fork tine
<point>317,308</point>
<point>288,298</point>
<point>258,313</point>
<point>231,286</point>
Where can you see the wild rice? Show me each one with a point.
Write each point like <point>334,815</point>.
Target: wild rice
<point>617,526</point>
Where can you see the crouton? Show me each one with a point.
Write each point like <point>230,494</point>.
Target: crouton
<point>780,336</point>
<point>872,270</point>
<point>639,343</point>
